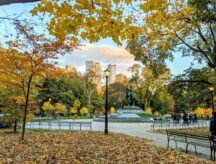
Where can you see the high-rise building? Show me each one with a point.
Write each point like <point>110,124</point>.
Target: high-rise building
<point>70,68</point>
<point>89,64</point>
<point>93,69</point>
<point>112,75</point>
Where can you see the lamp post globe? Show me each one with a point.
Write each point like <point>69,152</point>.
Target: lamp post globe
<point>106,74</point>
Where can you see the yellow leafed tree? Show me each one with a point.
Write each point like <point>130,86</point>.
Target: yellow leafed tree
<point>76,103</point>
<point>60,108</point>
<point>112,110</point>
<point>84,111</point>
<point>149,110</point>
<point>48,107</point>
<point>199,111</point>
<point>73,110</point>
<point>209,112</point>
<point>28,57</point>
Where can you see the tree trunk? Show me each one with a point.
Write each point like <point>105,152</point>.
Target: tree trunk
<point>26,106</point>
<point>8,2</point>
<point>15,126</point>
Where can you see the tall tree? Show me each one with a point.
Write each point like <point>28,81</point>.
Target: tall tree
<point>27,57</point>
<point>188,25</point>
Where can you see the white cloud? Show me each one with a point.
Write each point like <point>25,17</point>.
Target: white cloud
<point>103,53</point>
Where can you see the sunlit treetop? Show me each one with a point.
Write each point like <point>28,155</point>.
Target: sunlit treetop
<point>89,19</point>
<point>186,24</point>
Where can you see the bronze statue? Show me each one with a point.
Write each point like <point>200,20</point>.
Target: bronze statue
<point>130,96</point>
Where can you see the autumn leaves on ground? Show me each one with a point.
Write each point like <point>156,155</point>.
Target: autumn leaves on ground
<point>85,147</point>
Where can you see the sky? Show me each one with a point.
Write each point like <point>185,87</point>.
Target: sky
<point>105,51</point>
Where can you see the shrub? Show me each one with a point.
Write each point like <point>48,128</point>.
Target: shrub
<point>149,110</point>
<point>84,111</point>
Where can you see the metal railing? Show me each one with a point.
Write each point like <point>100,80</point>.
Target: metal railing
<point>60,125</point>
<point>163,125</point>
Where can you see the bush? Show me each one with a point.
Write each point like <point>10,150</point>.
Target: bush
<point>84,111</point>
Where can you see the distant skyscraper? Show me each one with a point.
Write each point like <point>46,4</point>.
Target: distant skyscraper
<point>70,68</point>
<point>94,70</point>
<point>112,75</point>
<point>89,64</point>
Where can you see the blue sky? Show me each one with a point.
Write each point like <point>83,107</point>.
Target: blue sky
<point>105,51</point>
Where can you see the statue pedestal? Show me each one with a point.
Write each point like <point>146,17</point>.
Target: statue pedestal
<point>127,114</point>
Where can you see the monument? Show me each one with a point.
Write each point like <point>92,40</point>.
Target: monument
<point>129,113</point>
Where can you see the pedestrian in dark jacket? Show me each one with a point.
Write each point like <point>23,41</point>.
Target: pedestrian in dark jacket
<point>213,124</point>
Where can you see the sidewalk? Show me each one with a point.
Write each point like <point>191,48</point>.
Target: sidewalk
<point>139,130</point>
<point>142,130</point>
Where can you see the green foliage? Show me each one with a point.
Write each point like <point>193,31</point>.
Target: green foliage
<point>98,103</point>
<point>150,86</point>
<point>64,90</point>
<point>147,115</point>
<point>117,96</point>
<point>190,89</point>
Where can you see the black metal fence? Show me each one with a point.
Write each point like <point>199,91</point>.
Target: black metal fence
<point>163,125</point>
<point>60,125</point>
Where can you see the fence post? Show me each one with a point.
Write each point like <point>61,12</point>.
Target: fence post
<point>39,124</point>
<point>80,126</point>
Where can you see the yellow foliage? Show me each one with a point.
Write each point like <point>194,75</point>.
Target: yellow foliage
<point>60,108</point>
<point>76,103</point>
<point>149,110</point>
<point>37,111</point>
<point>73,110</point>
<point>199,111</point>
<point>84,111</point>
<point>112,110</point>
<point>209,112</point>
<point>30,117</point>
<point>69,18</point>
<point>48,107</point>
<point>20,100</point>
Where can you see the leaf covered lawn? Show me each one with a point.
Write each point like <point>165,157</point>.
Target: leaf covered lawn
<point>195,130</point>
<point>85,147</point>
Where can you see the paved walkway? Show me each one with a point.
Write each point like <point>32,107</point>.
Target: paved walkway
<point>142,130</point>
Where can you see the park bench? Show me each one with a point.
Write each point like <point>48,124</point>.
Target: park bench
<point>176,137</point>
<point>192,139</point>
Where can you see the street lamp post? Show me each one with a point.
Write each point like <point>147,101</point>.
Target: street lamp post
<point>106,73</point>
<point>211,90</point>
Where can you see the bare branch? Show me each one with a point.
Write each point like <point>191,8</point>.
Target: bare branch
<point>213,36</point>
<point>210,63</point>
<point>8,2</point>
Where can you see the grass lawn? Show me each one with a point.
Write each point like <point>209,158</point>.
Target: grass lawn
<point>199,130</point>
<point>147,115</point>
<point>85,147</point>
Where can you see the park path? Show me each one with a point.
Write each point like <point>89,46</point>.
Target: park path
<point>140,130</point>
<point>143,130</point>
